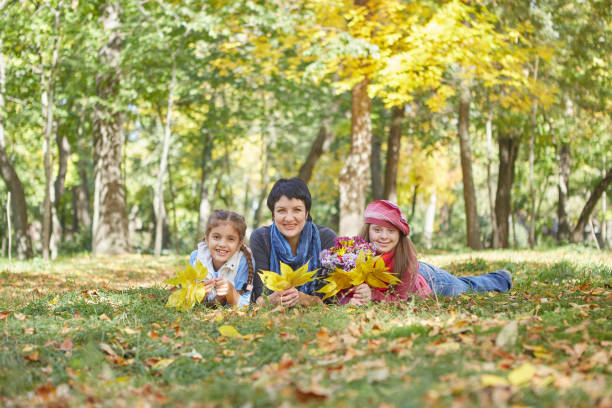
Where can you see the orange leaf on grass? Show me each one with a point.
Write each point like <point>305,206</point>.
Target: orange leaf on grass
<point>66,344</point>
<point>32,357</point>
<point>4,315</point>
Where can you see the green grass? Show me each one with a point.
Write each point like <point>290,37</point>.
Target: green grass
<point>95,331</point>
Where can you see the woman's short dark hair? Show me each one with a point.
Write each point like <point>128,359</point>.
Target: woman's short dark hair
<point>291,188</point>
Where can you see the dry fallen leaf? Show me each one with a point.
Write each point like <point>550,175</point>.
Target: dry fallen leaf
<point>66,344</point>
<point>508,335</point>
<point>20,316</point>
<point>32,357</point>
<point>522,374</point>
<point>490,380</point>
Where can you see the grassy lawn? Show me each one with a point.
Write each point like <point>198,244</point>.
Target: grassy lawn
<point>93,331</point>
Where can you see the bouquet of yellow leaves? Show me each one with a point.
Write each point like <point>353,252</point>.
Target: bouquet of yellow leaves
<point>192,291</point>
<point>368,269</point>
<point>288,278</point>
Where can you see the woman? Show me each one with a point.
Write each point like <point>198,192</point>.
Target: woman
<point>386,227</point>
<point>292,239</point>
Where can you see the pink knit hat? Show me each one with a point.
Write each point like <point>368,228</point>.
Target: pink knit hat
<point>386,214</point>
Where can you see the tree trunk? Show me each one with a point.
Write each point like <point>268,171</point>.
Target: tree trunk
<point>578,232</point>
<point>564,159</point>
<point>13,183</point>
<point>63,147</point>
<point>415,190</point>
<point>469,192</point>
<point>532,137</point>
<point>158,198</point>
<point>316,150</point>
<point>429,221</point>
<point>604,204</point>
<point>489,132</point>
<point>376,169</point>
<point>353,177</point>
<point>393,152</point>
<point>204,207</point>
<point>82,206</point>
<point>508,151</point>
<point>110,226</point>
<point>47,87</point>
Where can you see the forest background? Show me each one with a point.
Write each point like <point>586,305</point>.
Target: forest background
<point>124,123</point>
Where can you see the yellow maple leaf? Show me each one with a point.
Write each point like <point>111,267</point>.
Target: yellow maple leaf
<point>373,271</point>
<point>192,291</point>
<point>288,278</point>
<point>521,375</point>
<point>339,279</point>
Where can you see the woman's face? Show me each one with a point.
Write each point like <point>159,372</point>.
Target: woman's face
<point>290,216</point>
<point>384,238</point>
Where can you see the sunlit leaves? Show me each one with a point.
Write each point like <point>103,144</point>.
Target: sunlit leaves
<point>192,289</point>
<point>288,278</point>
<point>338,280</point>
<point>368,269</point>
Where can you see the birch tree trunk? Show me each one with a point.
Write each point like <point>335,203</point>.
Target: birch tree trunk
<point>13,183</point>
<point>429,221</point>
<point>204,208</point>
<point>158,200</point>
<point>469,192</point>
<point>532,137</point>
<point>564,159</point>
<point>393,152</point>
<point>353,180</point>
<point>47,86</point>
<point>110,226</point>
<point>489,133</point>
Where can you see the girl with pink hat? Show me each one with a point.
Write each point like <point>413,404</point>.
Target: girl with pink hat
<point>386,227</point>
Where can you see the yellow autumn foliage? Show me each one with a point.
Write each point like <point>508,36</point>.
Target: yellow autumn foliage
<point>192,289</point>
<point>288,278</point>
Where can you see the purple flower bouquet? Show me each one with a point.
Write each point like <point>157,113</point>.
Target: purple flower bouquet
<point>344,254</point>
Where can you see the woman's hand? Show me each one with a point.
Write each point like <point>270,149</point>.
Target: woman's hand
<point>362,294</point>
<point>287,298</point>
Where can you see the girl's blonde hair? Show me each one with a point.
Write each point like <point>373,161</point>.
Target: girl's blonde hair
<point>219,217</point>
<point>405,262</point>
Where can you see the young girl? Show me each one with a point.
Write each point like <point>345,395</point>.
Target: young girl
<point>386,227</point>
<point>229,262</point>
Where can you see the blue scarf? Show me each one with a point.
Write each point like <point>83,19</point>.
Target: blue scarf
<point>309,246</point>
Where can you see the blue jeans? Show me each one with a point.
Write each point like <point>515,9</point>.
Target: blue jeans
<point>443,283</point>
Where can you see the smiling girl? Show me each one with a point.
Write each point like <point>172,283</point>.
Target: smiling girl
<point>229,261</point>
<point>386,227</point>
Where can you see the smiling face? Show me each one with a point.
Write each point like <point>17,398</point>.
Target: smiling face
<point>223,242</point>
<point>290,217</point>
<point>384,238</point>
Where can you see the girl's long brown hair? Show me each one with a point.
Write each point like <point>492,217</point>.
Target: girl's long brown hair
<point>405,262</point>
<point>237,221</point>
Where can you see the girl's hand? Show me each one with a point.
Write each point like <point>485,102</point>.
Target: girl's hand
<point>362,294</point>
<point>287,298</point>
<point>209,284</point>
<point>223,286</point>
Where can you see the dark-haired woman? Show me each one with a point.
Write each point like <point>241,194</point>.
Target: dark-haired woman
<point>292,239</point>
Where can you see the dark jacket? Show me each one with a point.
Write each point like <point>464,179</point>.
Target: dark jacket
<point>260,247</point>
